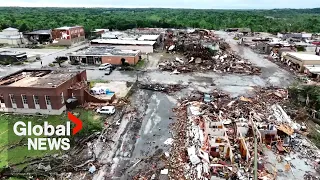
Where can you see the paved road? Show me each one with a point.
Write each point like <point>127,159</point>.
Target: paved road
<point>271,72</point>
<point>46,60</point>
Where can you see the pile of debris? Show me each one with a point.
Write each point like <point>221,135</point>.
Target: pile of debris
<point>215,136</point>
<point>203,52</point>
<point>166,88</point>
<point>222,62</point>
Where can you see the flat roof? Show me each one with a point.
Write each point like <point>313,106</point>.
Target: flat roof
<point>12,53</point>
<point>40,78</point>
<point>313,69</point>
<point>148,37</point>
<point>103,51</point>
<point>40,32</point>
<point>123,42</point>
<point>304,57</point>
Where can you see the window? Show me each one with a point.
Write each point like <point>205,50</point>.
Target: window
<point>62,98</point>
<point>13,100</point>
<point>72,94</point>
<point>48,101</point>
<point>36,99</point>
<point>24,99</point>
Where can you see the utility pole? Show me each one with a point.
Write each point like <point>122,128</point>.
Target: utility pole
<point>255,156</point>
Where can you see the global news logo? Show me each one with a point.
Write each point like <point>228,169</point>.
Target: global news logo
<point>48,137</point>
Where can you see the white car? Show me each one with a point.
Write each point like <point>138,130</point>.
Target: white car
<point>104,66</point>
<point>107,110</point>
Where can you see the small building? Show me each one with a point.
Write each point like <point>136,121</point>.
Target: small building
<point>103,54</point>
<point>143,46</point>
<point>11,36</point>
<point>302,59</point>
<point>41,91</point>
<point>312,71</point>
<point>150,38</point>
<point>67,36</point>
<point>8,57</point>
<point>39,36</point>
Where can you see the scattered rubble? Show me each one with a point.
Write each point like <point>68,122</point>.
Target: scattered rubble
<point>161,87</point>
<point>203,52</point>
<point>216,138</point>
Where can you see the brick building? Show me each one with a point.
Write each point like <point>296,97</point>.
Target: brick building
<point>40,91</point>
<point>68,35</point>
<point>104,54</point>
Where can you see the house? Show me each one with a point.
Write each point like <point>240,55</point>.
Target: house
<point>104,54</point>
<point>143,46</point>
<point>67,36</point>
<point>11,36</point>
<point>41,91</point>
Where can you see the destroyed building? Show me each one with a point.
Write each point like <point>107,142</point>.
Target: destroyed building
<point>219,138</point>
<point>41,91</point>
<point>8,57</point>
<point>96,55</point>
<point>39,36</point>
<point>67,36</point>
<point>202,51</point>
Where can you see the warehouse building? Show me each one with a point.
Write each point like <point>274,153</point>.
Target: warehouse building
<point>302,59</point>
<point>39,91</point>
<point>96,55</point>
<point>67,36</point>
<point>143,46</point>
<point>11,36</point>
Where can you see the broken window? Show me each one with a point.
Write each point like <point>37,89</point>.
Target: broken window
<point>13,100</point>
<point>48,101</point>
<point>24,99</point>
<point>90,60</point>
<point>62,98</point>
<point>36,99</point>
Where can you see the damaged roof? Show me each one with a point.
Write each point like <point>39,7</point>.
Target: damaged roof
<point>39,78</point>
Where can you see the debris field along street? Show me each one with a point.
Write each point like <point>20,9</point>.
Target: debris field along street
<point>204,108</point>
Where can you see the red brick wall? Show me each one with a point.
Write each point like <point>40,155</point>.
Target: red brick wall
<point>116,60</point>
<point>54,93</point>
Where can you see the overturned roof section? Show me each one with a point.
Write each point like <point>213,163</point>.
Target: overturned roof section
<point>123,42</point>
<point>38,78</point>
<point>12,53</point>
<point>103,51</point>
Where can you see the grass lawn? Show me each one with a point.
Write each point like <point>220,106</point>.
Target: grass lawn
<point>140,64</point>
<point>21,153</point>
<point>54,47</point>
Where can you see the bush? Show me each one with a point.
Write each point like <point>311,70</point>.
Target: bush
<point>52,65</point>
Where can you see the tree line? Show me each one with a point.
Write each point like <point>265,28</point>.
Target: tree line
<point>273,21</point>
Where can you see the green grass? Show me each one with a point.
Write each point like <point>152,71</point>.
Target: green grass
<point>54,47</point>
<point>21,153</point>
<point>94,82</point>
<point>140,64</point>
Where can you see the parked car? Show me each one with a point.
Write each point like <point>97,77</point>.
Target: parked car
<point>107,110</point>
<point>105,66</point>
<point>108,71</point>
